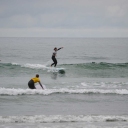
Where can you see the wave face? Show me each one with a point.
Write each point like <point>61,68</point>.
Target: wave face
<point>91,70</point>
<point>60,119</point>
<point>103,70</point>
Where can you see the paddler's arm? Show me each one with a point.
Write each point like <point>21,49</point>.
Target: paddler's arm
<point>41,85</point>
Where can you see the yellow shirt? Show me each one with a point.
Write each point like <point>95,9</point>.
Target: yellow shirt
<point>35,79</point>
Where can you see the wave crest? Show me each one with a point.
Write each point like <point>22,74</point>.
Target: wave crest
<point>6,91</point>
<point>61,118</point>
<point>82,65</point>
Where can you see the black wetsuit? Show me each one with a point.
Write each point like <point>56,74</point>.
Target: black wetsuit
<point>54,58</point>
<point>31,84</point>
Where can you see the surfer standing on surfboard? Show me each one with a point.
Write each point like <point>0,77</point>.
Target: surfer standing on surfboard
<point>54,56</point>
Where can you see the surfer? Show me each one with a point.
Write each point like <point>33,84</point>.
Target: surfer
<point>54,56</point>
<point>31,83</point>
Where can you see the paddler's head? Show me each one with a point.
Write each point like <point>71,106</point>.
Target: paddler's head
<point>37,75</point>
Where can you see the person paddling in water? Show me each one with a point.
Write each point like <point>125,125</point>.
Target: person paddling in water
<point>54,56</point>
<point>31,83</point>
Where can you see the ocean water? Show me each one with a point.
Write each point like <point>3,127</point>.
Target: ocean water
<point>92,93</point>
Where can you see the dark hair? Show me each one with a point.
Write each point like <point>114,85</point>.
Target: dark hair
<point>37,75</point>
<point>55,48</point>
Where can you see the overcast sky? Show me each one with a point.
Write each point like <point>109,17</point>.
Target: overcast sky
<point>63,18</point>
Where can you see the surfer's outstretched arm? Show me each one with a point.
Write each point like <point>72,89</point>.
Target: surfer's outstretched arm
<point>41,85</point>
<point>59,48</point>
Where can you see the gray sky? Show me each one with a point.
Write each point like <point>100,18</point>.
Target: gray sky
<point>63,18</point>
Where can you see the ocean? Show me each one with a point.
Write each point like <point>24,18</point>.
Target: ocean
<point>92,92</point>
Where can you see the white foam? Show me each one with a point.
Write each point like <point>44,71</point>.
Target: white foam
<point>84,84</point>
<point>61,118</point>
<point>34,66</point>
<point>105,85</point>
<point>43,67</point>
<point>15,63</point>
<point>13,91</point>
<point>39,87</point>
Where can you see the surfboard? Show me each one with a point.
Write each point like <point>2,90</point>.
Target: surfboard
<point>54,69</point>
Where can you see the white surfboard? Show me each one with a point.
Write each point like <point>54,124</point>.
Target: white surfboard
<point>54,69</point>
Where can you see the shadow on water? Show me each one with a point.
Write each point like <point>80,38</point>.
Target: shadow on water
<point>60,73</point>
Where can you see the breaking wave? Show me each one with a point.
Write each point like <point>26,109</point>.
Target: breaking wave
<point>13,92</point>
<point>61,118</point>
<point>93,65</point>
<point>95,70</point>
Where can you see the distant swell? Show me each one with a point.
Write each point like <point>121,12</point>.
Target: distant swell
<point>99,65</point>
<point>7,91</point>
<point>60,118</point>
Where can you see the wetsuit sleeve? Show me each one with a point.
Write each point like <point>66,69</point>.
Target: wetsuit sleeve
<point>58,49</point>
